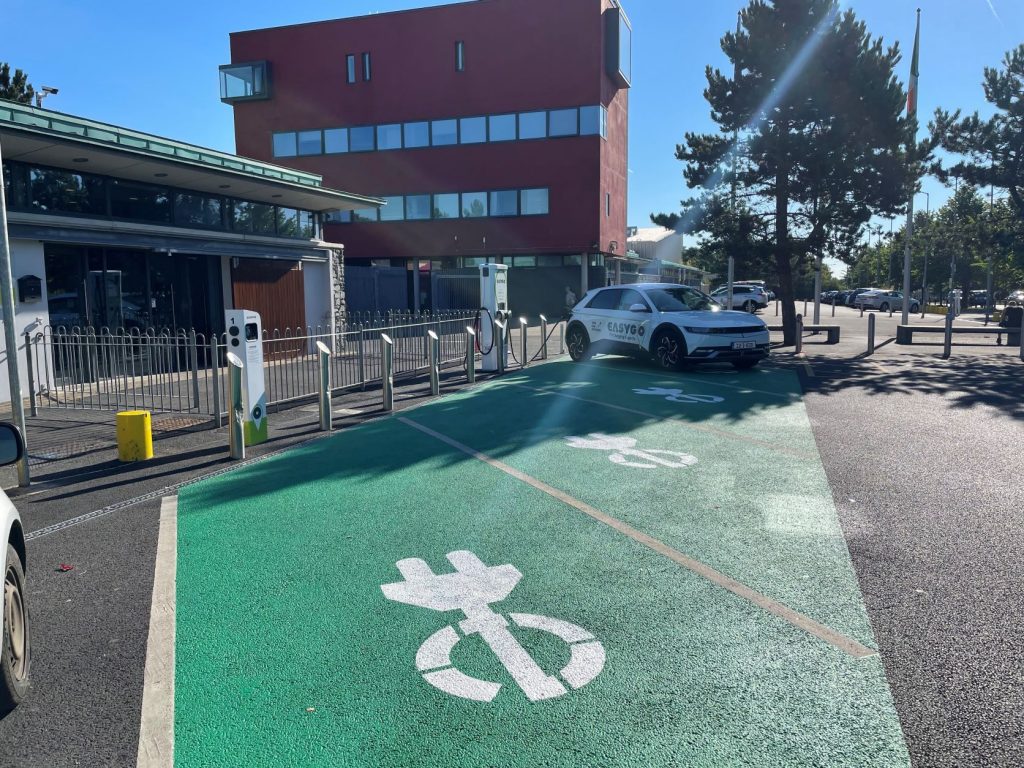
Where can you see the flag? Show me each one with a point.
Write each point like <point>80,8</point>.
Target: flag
<point>914,71</point>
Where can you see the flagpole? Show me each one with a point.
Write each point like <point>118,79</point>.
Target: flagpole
<point>911,152</point>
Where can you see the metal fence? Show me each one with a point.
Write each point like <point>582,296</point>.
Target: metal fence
<point>183,371</point>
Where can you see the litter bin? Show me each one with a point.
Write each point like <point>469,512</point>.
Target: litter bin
<point>1011,322</point>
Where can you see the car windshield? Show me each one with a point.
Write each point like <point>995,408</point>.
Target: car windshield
<point>680,299</point>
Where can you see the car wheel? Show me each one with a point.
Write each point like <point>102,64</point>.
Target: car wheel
<point>668,349</point>
<point>578,342</point>
<point>748,306</point>
<point>16,650</point>
<point>744,365</point>
<point>884,307</point>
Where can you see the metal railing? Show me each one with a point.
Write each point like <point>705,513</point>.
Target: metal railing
<point>184,372</point>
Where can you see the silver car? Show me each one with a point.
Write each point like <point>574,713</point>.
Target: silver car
<point>885,300</point>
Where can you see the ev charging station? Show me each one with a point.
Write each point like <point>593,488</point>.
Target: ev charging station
<point>493,307</point>
<point>245,340</point>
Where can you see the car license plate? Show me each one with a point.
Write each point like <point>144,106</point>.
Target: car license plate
<point>743,345</point>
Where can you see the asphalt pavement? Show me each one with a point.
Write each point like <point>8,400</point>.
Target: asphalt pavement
<point>922,457</point>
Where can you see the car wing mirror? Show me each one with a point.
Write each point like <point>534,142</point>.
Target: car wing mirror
<point>638,308</point>
<point>12,445</point>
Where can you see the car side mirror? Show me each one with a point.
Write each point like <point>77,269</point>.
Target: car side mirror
<point>12,445</point>
<point>638,308</point>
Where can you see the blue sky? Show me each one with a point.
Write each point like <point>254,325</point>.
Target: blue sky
<point>153,66</point>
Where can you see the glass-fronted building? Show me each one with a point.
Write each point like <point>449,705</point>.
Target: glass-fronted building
<point>121,229</point>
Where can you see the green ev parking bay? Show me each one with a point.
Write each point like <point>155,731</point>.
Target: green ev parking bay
<point>576,565</point>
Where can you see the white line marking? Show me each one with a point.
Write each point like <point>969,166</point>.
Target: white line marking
<point>156,731</point>
<point>784,612</point>
<point>667,376</point>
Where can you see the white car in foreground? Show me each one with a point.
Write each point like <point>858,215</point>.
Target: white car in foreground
<point>673,324</point>
<point>15,637</point>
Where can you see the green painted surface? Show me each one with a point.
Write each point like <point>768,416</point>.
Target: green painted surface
<point>279,605</point>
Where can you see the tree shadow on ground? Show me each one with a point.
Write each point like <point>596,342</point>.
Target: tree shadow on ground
<point>965,381</point>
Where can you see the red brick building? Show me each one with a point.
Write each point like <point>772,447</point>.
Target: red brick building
<point>496,130</point>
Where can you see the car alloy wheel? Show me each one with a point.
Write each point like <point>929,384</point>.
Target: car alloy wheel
<point>669,350</point>
<point>15,644</point>
<point>885,307</point>
<point>578,343</point>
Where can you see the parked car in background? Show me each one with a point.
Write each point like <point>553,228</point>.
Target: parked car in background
<point>749,298</point>
<point>886,300</point>
<point>851,299</point>
<point>1017,296</point>
<point>978,299</point>
<point>829,297</point>
<point>15,627</point>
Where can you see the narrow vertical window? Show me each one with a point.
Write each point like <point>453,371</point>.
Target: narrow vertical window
<point>460,56</point>
<point>350,65</point>
<point>366,67</point>
<point>608,204</point>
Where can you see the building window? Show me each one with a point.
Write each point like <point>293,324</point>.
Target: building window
<point>366,67</point>
<point>563,122</point>
<point>460,56</point>
<point>417,207</point>
<point>533,125</point>
<point>474,205</point>
<point>142,202</point>
<point>505,203</point>
<point>502,127</point>
<point>446,206</point>
<point>361,139</point>
<point>394,210</point>
<point>444,132</point>
<point>533,202</point>
<point>256,218</point>
<point>473,130</point>
<point>389,136</point>
<point>350,67</point>
<point>285,145</point>
<point>335,140</point>
<point>55,191</point>
<point>244,82</point>
<point>310,143</point>
<point>417,135</point>
<point>364,214</point>
<point>618,47</point>
<point>287,222</point>
<point>194,210</point>
<point>608,204</point>
<point>590,121</point>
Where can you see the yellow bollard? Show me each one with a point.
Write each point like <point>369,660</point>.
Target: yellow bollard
<point>134,436</point>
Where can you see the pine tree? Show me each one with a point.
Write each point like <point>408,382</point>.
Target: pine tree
<point>16,87</point>
<point>818,112</point>
<point>993,149</point>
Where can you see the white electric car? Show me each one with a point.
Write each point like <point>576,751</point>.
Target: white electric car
<point>673,324</point>
<point>16,648</point>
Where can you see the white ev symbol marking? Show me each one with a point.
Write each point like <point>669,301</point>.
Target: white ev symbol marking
<point>623,447</point>
<point>677,396</point>
<point>471,589</point>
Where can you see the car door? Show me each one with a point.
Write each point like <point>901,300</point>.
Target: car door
<point>626,328</point>
<point>599,312</point>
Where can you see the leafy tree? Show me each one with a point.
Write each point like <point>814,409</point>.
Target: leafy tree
<point>817,110</point>
<point>15,87</point>
<point>993,149</point>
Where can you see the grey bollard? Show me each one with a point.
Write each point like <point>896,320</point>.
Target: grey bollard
<point>561,338</point>
<point>499,339</point>
<point>543,338</point>
<point>947,344</point>
<point>776,307</point>
<point>890,310</point>
<point>833,307</point>
<point>215,380</point>
<point>388,372</point>
<point>470,355</point>
<point>324,354</point>
<point>862,309</point>
<point>236,410</point>
<point>1020,338</point>
<point>871,334</point>
<point>523,332</point>
<point>434,354</point>
<point>805,307</point>
<point>799,334</point>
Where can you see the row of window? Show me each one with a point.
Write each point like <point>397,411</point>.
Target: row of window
<point>469,262</point>
<point>452,205</point>
<point>350,67</point>
<point>53,190</point>
<point>521,126</point>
